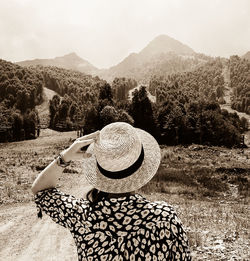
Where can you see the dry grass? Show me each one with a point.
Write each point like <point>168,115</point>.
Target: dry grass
<point>208,186</point>
<point>20,162</point>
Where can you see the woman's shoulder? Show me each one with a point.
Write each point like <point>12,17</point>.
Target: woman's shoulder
<point>156,206</point>
<point>160,211</point>
<point>57,198</point>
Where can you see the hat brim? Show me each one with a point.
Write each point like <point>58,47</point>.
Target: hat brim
<point>150,165</point>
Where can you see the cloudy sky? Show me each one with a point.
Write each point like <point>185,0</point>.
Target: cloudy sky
<point>105,31</point>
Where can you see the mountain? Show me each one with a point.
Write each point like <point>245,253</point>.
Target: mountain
<point>165,44</point>
<point>70,61</point>
<point>246,56</point>
<point>162,56</point>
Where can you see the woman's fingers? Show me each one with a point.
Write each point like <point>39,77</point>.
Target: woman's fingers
<point>82,143</point>
<point>93,135</point>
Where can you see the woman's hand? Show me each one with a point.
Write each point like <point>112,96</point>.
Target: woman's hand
<point>74,151</point>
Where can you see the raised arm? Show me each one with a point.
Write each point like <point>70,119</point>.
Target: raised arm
<point>48,178</point>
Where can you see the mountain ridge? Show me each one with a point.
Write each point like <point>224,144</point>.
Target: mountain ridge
<point>246,55</point>
<point>155,56</point>
<point>67,61</point>
<point>163,55</point>
<point>164,44</point>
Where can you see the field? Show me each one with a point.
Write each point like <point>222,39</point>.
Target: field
<point>208,186</point>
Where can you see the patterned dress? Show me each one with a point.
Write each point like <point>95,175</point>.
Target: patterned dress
<point>125,228</point>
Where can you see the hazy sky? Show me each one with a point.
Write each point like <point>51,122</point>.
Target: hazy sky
<point>105,31</point>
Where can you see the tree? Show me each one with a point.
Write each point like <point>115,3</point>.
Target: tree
<point>30,122</point>
<point>141,111</point>
<point>22,100</point>
<point>106,93</point>
<point>123,116</point>
<point>108,115</point>
<point>91,122</point>
<point>171,121</point>
<point>53,108</point>
<point>219,92</point>
<point>244,124</point>
<point>105,97</point>
<point>17,126</point>
<point>73,111</point>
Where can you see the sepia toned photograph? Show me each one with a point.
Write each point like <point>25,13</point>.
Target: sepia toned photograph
<point>124,130</point>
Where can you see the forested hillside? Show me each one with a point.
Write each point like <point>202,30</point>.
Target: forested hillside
<point>187,108</point>
<point>122,86</point>
<point>78,92</point>
<point>240,83</point>
<point>20,91</point>
<point>161,64</point>
<point>205,82</point>
<point>163,56</point>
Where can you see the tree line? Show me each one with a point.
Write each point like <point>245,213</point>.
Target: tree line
<point>21,89</point>
<point>240,83</point>
<point>76,92</point>
<point>204,82</point>
<point>141,67</point>
<point>186,109</point>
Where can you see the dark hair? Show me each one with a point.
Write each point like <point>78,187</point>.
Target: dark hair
<point>95,195</point>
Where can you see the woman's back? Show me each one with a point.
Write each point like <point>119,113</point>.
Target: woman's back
<point>123,228</point>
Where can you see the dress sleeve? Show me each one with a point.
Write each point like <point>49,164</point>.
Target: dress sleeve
<point>173,238</point>
<point>62,208</point>
<point>179,249</point>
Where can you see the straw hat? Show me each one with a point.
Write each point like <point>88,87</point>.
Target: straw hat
<point>123,159</point>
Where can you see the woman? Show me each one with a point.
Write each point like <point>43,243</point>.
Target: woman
<point>114,223</point>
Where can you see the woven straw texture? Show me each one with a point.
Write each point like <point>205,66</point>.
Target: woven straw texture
<point>118,148</point>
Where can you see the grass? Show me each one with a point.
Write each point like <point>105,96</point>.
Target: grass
<point>208,187</point>
<point>20,162</point>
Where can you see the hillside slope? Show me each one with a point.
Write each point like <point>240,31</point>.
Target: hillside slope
<point>165,44</point>
<point>70,61</point>
<point>228,96</point>
<point>246,56</point>
<point>162,56</point>
<point>43,109</point>
<point>20,91</point>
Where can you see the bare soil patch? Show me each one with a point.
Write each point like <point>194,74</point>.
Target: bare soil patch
<point>228,94</point>
<point>43,109</point>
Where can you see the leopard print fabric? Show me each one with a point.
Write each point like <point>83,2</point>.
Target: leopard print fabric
<point>127,228</point>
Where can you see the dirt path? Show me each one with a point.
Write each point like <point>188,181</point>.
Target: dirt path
<point>24,237</point>
<point>227,105</point>
<point>43,109</point>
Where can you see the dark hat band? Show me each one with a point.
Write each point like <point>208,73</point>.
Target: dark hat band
<point>125,172</point>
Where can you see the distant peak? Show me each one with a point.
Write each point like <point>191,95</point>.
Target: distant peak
<point>73,54</point>
<point>162,37</point>
<point>164,44</point>
<point>246,55</point>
